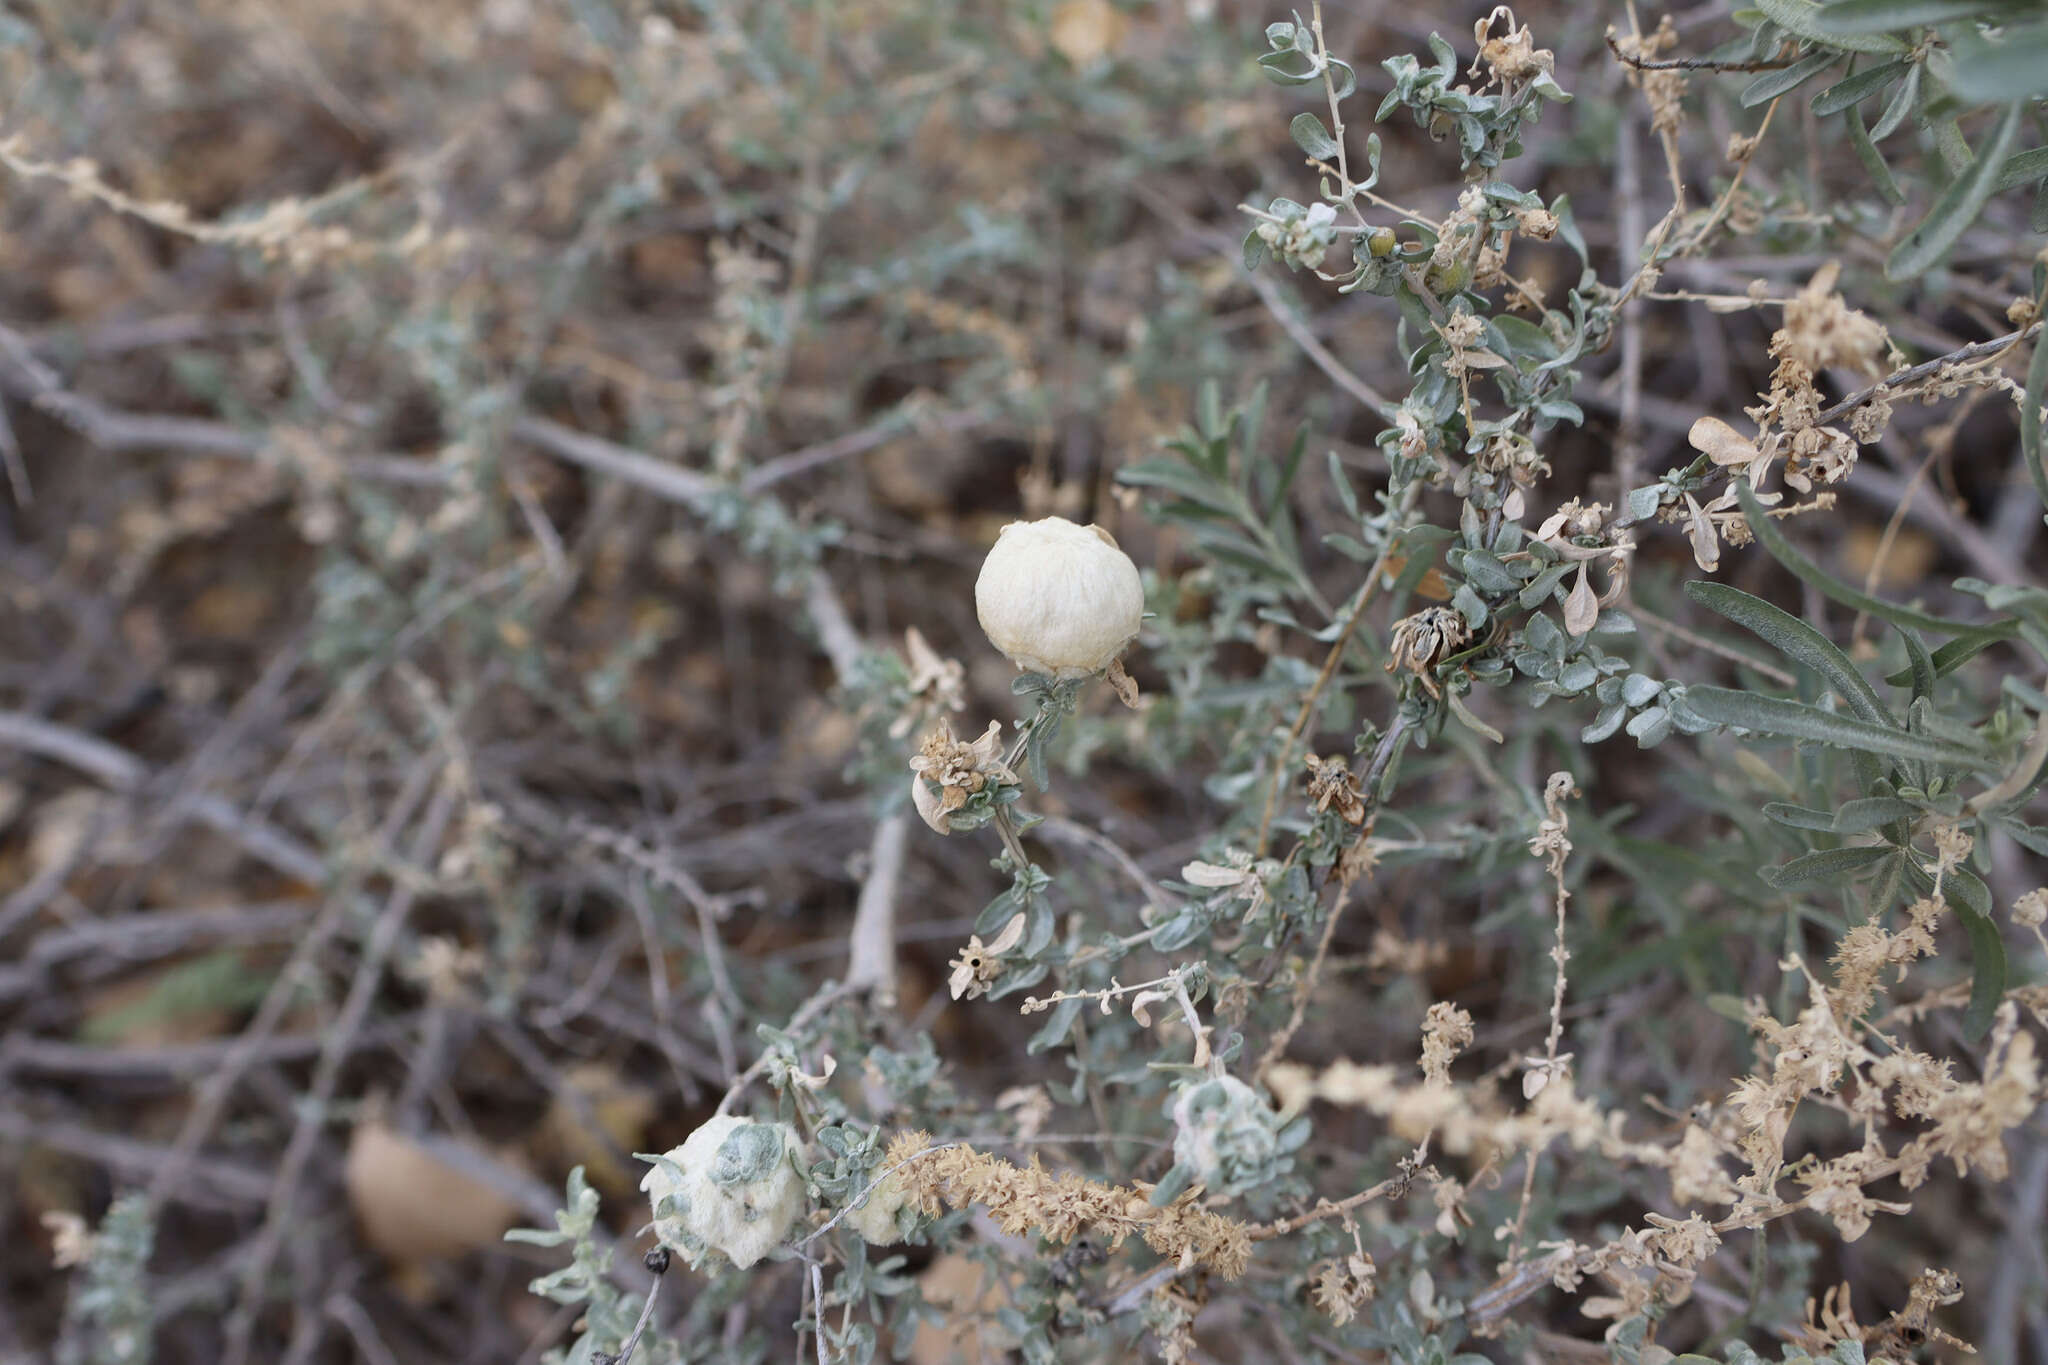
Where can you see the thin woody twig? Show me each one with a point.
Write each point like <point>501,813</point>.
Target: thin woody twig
<point>1364,597</point>
<point>1886,387</point>
<point>871,962</point>
<point>369,976</point>
<point>1687,63</point>
<point>1693,63</point>
<point>1349,870</point>
<point>1393,1186</point>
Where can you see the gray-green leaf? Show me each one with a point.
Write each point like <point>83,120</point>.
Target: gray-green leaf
<point>1958,206</point>
<point>1802,18</point>
<point>1828,867</point>
<point>1797,720</point>
<point>1312,137</point>
<point>1852,18</point>
<point>1797,641</point>
<point>1860,86</point>
<point>2014,67</point>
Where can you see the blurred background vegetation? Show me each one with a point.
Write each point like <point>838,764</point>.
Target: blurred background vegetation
<point>449,442</point>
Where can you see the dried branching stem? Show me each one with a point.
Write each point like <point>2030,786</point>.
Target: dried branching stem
<point>1283,761</point>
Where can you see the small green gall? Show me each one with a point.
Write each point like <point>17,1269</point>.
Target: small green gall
<point>733,1188</point>
<point>1059,599</point>
<point>1381,243</point>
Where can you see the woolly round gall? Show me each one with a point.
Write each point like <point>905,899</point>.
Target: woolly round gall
<point>733,1187</point>
<point>1058,598</point>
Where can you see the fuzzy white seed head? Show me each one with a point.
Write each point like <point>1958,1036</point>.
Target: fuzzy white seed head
<point>733,1187</point>
<point>1057,598</point>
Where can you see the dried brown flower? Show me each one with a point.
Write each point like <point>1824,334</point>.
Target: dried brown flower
<point>979,964</point>
<point>1821,331</point>
<point>1332,783</point>
<point>937,684</point>
<point>946,771</point>
<point>1420,641</point>
<point>1446,1031</point>
<point>1513,59</point>
<point>1342,1285</point>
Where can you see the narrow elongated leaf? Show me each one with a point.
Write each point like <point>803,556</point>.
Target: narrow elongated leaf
<point>1958,206</point>
<point>2030,837</point>
<point>1901,103</point>
<point>1871,812</point>
<point>1800,817</point>
<point>1858,87</point>
<point>1797,720</point>
<point>2014,67</point>
<point>1797,641</point>
<point>1801,18</point>
<point>1971,901</point>
<point>1954,654</point>
<point>1341,481</point>
<point>2023,168</point>
<point>1919,666</point>
<point>1183,481</point>
<point>1966,891</point>
<point>1852,17</point>
<point>1884,887</point>
<point>1866,152</point>
<point>1772,84</point>
<point>2030,415</point>
<point>1782,549</point>
<point>1949,143</point>
<point>1829,867</point>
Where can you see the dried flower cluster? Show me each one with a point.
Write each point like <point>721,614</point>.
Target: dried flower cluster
<point>1422,641</point>
<point>946,771</point>
<point>1059,1206</point>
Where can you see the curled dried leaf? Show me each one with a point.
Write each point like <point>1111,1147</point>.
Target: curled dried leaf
<point>1706,543</point>
<point>1720,442</point>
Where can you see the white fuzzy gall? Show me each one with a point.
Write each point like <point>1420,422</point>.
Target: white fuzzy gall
<point>1058,598</point>
<point>733,1187</point>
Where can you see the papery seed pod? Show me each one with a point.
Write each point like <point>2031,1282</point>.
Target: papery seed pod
<point>733,1187</point>
<point>1057,598</point>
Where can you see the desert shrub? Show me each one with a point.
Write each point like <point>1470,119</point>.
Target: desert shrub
<point>1542,882</point>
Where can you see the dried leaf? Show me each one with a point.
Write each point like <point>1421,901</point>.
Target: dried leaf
<point>1720,442</point>
<point>621,1111</point>
<point>412,1205</point>
<point>1126,689</point>
<point>1582,608</point>
<point>930,805</point>
<point>1212,874</point>
<point>1141,1005</point>
<point>1706,543</point>
<point>1012,935</point>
